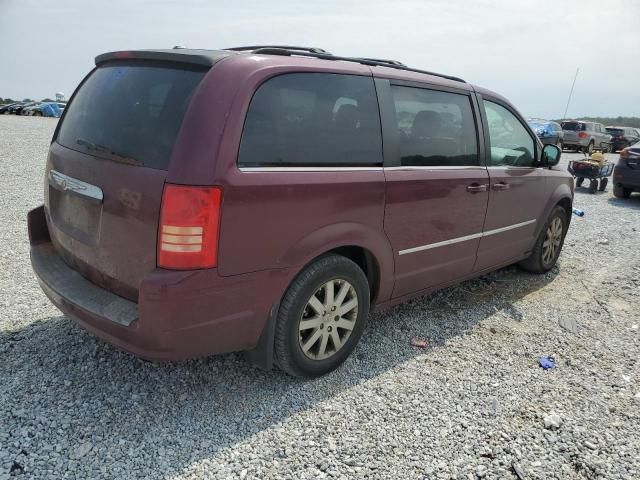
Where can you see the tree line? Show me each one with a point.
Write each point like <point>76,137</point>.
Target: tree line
<point>5,101</point>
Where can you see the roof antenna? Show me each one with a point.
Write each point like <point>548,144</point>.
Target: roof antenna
<point>570,93</point>
<point>178,47</point>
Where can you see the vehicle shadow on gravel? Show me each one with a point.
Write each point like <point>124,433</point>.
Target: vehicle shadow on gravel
<point>633,202</point>
<point>88,393</point>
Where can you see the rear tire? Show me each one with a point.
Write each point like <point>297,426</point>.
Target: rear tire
<point>549,243</point>
<point>579,181</point>
<point>620,192</point>
<point>321,317</point>
<point>589,148</point>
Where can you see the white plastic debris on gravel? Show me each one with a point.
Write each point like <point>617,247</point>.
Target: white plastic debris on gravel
<point>473,404</point>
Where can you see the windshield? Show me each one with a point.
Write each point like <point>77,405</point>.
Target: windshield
<point>615,131</point>
<point>573,126</point>
<point>129,112</point>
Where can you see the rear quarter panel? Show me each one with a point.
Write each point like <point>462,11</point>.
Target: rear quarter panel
<point>285,219</point>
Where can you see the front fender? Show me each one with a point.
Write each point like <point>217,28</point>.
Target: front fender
<point>345,234</point>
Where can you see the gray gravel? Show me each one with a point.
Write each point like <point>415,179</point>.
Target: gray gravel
<point>474,404</point>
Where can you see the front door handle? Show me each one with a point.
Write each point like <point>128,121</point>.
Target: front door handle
<point>500,186</point>
<point>477,188</point>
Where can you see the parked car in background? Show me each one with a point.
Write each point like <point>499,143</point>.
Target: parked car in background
<point>626,174</point>
<point>4,109</point>
<point>547,131</point>
<point>46,109</point>
<point>622,137</point>
<point>28,111</point>
<point>585,136</point>
<point>17,110</point>
<point>369,179</point>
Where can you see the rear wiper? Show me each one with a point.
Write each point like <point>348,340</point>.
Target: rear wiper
<point>115,156</point>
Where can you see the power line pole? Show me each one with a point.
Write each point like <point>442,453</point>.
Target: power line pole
<point>570,93</point>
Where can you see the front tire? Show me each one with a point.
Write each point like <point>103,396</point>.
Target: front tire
<point>579,181</point>
<point>321,317</point>
<point>547,248</point>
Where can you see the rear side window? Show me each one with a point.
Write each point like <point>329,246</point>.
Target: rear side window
<point>129,113</point>
<point>312,119</point>
<point>435,128</point>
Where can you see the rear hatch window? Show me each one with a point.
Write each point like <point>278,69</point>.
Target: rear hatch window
<point>130,113</point>
<point>573,126</point>
<point>616,132</point>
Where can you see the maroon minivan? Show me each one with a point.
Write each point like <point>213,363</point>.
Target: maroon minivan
<point>264,199</point>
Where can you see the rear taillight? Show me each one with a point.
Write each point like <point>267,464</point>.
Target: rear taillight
<point>582,135</point>
<point>189,224</point>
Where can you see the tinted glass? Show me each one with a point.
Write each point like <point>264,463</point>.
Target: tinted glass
<point>511,144</point>
<point>435,128</point>
<point>313,119</point>
<point>129,112</point>
<point>573,126</point>
<point>615,131</point>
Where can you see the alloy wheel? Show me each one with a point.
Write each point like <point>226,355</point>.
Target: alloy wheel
<point>328,319</point>
<point>552,241</point>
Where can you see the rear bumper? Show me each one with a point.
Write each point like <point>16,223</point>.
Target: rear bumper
<point>576,143</point>
<point>179,314</point>
<point>627,177</point>
<point>619,145</point>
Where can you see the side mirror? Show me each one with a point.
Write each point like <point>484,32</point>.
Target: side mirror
<point>550,155</point>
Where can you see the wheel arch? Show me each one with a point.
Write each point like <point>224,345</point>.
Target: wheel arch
<point>368,247</point>
<point>561,195</point>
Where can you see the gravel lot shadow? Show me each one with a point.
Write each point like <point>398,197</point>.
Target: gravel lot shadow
<point>183,413</point>
<point>633,202</point>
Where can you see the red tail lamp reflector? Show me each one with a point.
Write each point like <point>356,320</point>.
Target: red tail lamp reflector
<point>189,225</point>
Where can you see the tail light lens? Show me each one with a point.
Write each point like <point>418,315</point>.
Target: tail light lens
<point>582,135</point>
<point>189,224</point>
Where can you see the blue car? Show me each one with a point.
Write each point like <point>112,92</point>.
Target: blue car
<point>547,131</point>
<point>46,109</point>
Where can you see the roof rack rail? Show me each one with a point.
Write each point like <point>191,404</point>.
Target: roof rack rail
<point>324,55</point>
<point>279,47</point>
<point>390,62</point>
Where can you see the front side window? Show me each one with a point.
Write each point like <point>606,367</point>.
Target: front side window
<point>511,144</point>
<point>312,119</point>
<point>435,128</point>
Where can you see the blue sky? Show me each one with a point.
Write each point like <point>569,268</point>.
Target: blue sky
<point>527,51</point>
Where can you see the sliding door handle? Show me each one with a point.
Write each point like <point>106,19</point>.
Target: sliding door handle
<point>477,188</point>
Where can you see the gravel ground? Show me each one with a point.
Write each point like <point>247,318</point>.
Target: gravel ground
<point>472,404</point>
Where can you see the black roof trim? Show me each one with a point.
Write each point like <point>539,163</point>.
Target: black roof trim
<point>280,47</point>
<point>205,58</point>
<point>322,54</point>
